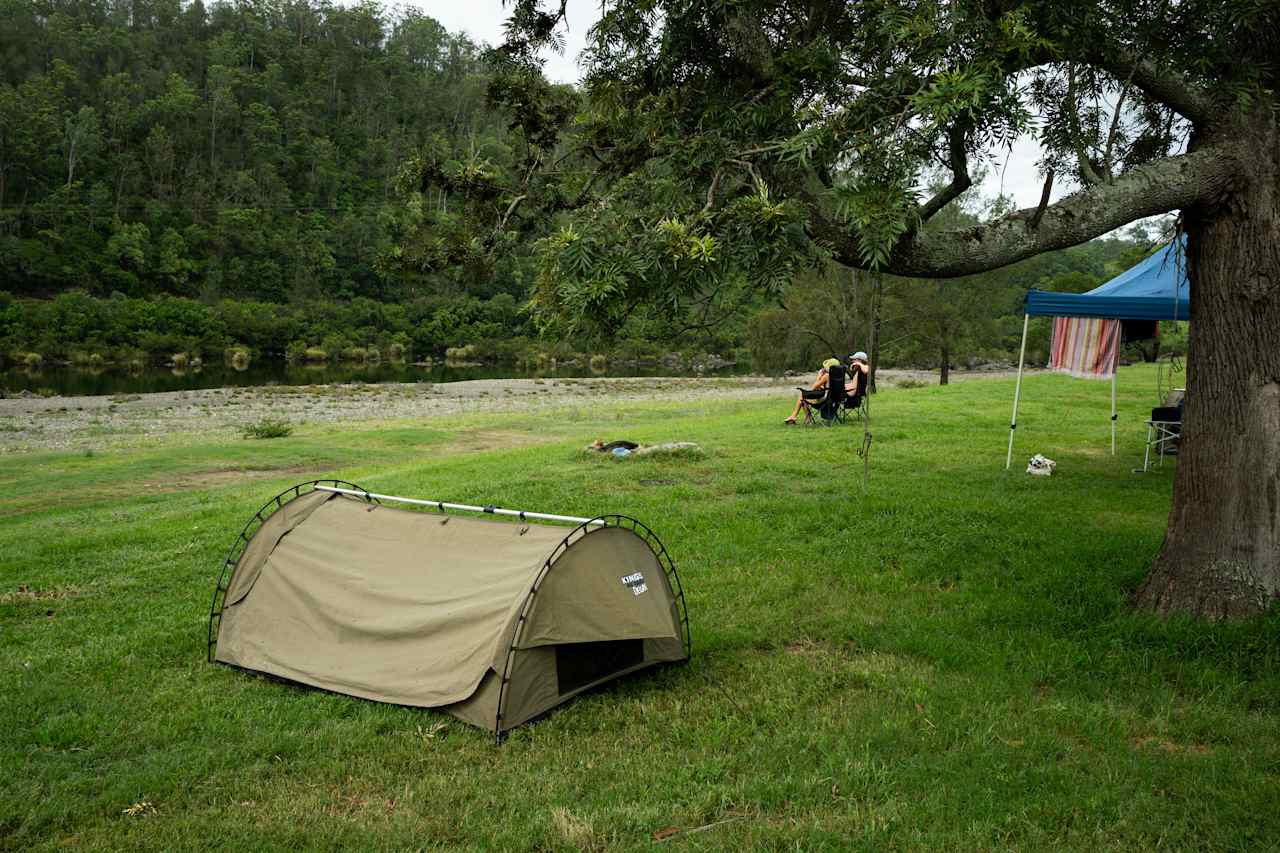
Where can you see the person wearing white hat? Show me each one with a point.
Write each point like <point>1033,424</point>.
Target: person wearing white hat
<point>855,385</point>
<point>816,391</point>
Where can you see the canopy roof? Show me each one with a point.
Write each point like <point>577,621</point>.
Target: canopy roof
<point>1155,289</point>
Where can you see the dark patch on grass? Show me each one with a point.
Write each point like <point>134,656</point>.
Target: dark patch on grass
<point>1151,742</point>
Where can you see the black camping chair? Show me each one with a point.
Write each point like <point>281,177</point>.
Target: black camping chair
<point>1164,432</point>
<point>827,407</point>
<point>855,404</point>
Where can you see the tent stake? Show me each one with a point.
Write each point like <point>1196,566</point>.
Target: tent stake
<point>491,510</point>
<point>1017,391</point>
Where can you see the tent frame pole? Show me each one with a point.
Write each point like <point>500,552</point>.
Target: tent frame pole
<point>1017,390</point>
<point>1115,369</point>
<point>659,552</point>
<point>443,505</point>
<point>241,542</point>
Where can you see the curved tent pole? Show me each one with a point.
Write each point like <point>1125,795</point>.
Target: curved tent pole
<point>561,547</point>
<point>242,542</point>
<point>444,505</point>
<point>1017,390</point>
<point>602,522</point>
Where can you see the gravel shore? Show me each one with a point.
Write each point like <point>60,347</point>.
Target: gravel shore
<point>91,423</point>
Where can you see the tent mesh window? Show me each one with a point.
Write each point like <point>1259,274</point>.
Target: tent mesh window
<point>580,664</point>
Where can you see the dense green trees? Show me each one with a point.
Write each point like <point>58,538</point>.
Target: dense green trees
<point>241,149</point>
<point>75,326</point>
<point>236,164</point>
<point>829,310</point>
<point>264,166</point>
<point>929,322</point>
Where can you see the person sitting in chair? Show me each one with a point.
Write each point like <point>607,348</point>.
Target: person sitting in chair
<point>815,392</point>
<point>855,384</point>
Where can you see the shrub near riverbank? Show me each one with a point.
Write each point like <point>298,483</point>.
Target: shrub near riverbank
<point>89,332</point>
<point>76,327</point>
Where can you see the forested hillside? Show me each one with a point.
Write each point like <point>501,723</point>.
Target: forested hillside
<point>241,150</point>
<point>242,155</point>
<point>232,178</point>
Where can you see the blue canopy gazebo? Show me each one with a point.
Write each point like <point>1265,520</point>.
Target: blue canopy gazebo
<point>1155,289</point>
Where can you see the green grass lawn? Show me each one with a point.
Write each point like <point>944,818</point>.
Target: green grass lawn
<point>947,661</point>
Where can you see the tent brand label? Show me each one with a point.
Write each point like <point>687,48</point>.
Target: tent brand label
<point>636,583</point>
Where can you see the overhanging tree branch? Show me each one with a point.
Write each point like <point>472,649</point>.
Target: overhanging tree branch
<point>1161,85</point>
<point>1171,183</point>
<point>502,223</point>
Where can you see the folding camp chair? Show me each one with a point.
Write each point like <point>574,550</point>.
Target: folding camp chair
<point>849,412</point>
<point>860,410</point>
<point>1163,431</point>
<point>826,407</point>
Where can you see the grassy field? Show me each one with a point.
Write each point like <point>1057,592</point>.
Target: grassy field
<point>948,661</point>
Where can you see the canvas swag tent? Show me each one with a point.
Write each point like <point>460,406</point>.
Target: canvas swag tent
<point>495,622</point>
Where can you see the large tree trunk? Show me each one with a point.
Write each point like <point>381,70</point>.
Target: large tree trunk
<point>1221,553</point>
<point>945,378</point>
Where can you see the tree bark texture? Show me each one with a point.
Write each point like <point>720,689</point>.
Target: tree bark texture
<point>1221,553</point>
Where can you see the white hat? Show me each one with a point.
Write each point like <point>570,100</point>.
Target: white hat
<point>858,356</point>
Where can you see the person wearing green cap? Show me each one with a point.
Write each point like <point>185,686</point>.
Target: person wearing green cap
<point>816,391</point>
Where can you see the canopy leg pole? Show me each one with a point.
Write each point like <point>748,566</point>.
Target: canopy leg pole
<point>1017,391</point>
<point>866,443</point>
<point>1114,371</point>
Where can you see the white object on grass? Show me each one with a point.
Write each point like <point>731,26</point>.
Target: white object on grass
<point>1040,466</point>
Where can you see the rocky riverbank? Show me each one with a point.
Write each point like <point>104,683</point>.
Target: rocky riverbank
<point>91,423</point>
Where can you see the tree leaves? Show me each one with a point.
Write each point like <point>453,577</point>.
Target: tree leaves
<point>788,131</point>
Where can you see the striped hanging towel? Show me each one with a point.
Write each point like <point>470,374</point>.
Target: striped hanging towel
<point>1087,347</point>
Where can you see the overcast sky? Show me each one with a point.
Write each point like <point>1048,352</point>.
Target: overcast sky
<point>483,19</point>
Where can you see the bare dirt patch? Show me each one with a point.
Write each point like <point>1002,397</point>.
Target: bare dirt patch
<point>479,440</point>
<point>1151,742</point>
<point>77,497</point>
<point>222,476</point>
<point>817,648</point>
<point>25,593</point>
